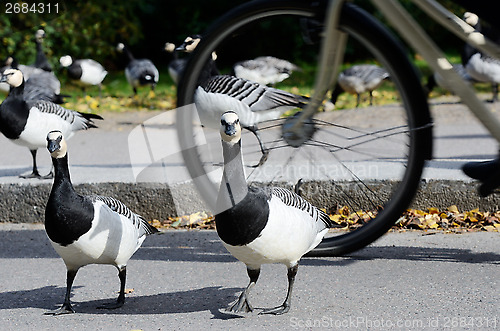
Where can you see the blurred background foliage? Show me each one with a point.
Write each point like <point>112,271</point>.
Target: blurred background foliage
<point>91,29</point>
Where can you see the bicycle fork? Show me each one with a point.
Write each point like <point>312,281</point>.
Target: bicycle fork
<point>331,57</point>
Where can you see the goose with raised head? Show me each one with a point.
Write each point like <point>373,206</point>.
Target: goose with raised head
<point>27,122</point>
<point>88,229</point>
<point>262,225</point>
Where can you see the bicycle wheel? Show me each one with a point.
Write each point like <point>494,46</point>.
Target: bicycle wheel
<point>366,160</point>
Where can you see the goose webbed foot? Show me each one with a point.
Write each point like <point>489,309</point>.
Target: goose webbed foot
<point>31,176</point>
<point>65,309</point>
<point>37,175</point>
<point>34,172</point>
<point>284,308</point>
<point>122,274</point>
<point>241,305</point>
<point>50,175</point>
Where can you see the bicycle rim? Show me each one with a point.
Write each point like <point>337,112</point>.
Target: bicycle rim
<point>366,162</point>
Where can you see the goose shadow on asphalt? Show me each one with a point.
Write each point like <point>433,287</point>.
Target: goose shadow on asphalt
<point>191,246</point>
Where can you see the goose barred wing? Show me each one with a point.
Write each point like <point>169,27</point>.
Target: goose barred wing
<point>293,200</point>
<point>119,207</point>
<point>257,97</point>
<point>45,79</point>
<point>78,121</point>
<point>34,92</point>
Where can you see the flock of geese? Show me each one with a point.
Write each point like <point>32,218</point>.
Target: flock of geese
<point>257,225</point>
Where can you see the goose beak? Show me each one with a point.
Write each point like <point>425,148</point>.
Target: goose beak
<point>230,130</point>
<point>53,145</point>
<point>181,48</point>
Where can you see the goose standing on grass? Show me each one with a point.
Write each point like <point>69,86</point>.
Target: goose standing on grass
<point>482,67</point>
<point>359,79</point>
<point>265,70</point>
<point>27,123</point>
<point>89,229</point>
<point>176,66</point>
<point>139,72</point>
<point>262,225</point>
<point>41,60</point>
<point>84,71</point>
<point>254,103</point>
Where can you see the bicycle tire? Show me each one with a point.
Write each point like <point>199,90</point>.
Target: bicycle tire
<point>362,26</point>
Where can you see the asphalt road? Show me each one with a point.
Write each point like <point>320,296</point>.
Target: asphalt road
<point>180,280</point>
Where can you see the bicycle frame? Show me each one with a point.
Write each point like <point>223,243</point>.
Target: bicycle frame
<point>333,46</point>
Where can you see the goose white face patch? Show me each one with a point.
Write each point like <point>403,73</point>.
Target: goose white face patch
<point>169,47</point>
<point>66,60</point>
<point>230,128</point>
<point>120,47</point>
<point>192,44</point>
<point>14,77</point>
<point>56,137</point>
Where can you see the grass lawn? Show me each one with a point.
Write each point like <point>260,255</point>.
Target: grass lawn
<point>117,95</point>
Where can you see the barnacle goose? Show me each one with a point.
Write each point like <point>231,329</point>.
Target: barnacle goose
<point>482,67</point>
<point>45,78</point>
<point>254,103</point>
<point>88,229</point>
<point>437,79</point>
<point>359,79</point>
<point>41,60</point>
<point>262,225</point>
<point>176,66</point>
<point>265,70</point>
<point>139,72</point>
<point>84,71</point>
<point>27,122</point>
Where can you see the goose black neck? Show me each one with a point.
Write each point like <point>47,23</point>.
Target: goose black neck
<point>17,91</point>
<point>233,187</point>
<point>61,171</point>
<point>38,46</point>
<point>208,71</point>
<point>128,53</point>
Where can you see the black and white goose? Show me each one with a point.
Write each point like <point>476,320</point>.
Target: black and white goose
<point>481,67</point>
<point>265,70</point>
<point>359,79</point>
<point>262,225</point>
<point>27,123</point>
<point>254,103</point>
<point>437,80</point>
<point>176,66</point>
<point>86,72</point>
<point>41,60</point>
<point>89,229</point>
<point>139,72</point>
<point>40,84</point>
<point>43,78</point>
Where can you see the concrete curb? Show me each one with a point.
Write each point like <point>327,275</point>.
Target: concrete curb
<point>26,203</point>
